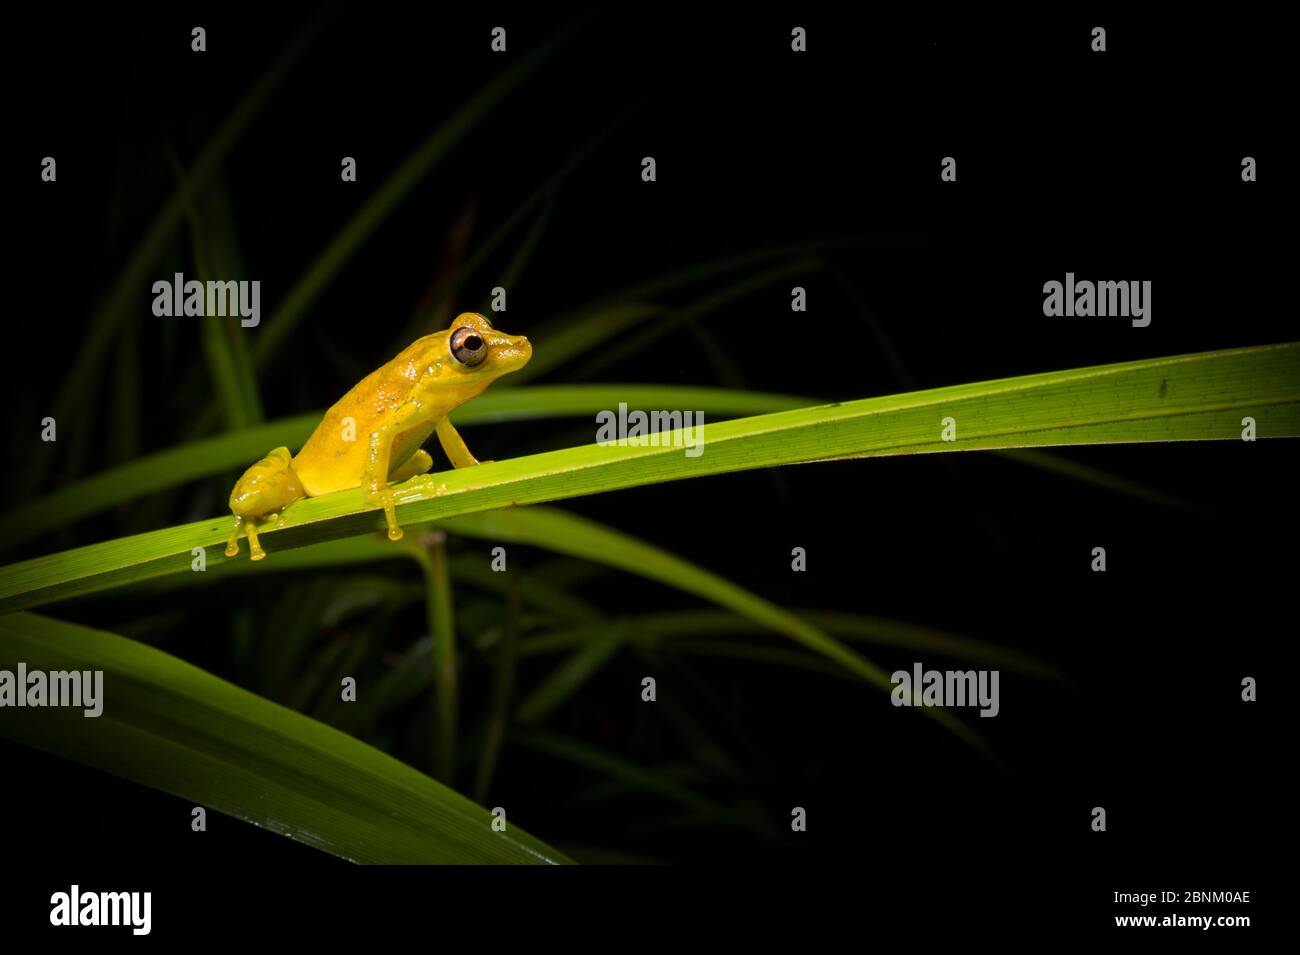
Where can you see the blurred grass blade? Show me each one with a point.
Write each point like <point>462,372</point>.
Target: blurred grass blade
<point>237,450</point>
<point>1056,464</point>
<point>519,261</point>
<point>150,474</point>
<point>503,691</point>
<point>775,656</point>
<point>558,339</point>
<point>1183,398</point>
<point>628,346</point>
<point>567,678</point>
<point>555,346</point>
<point>425,319</point>
<point>535,591</point>
<point>471,572</point>
<point>430,552</point>
<point>280,325</point>
<point>615,766</point>
<point>295,619</point>
<point>171,726</point>
<point>129,288</point>
<point>578,537</point>
<point>562,341</point>
<point>124,436</point>
<point>216,259</point>
<point>687,625</point>
<point>433,310</point>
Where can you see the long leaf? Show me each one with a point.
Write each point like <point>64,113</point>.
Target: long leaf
<point>1191,397</point>
<point>171,726</point>
<point>238,449</point>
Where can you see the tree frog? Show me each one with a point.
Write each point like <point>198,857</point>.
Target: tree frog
<point>371,437</point>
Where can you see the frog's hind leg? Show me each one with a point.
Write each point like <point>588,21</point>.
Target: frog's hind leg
<point>232,543</point>
<point>418,463</point>
<point>255,551</point>
<point>265,489</point>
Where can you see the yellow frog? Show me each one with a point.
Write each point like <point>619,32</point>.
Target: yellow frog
<point>371,438</point>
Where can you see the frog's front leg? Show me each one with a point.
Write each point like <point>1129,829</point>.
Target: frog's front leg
<point>452,444</point>
<point>379,470</point>
<point>377,473</point>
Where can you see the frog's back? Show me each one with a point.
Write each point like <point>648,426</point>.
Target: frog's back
<point>329,461</point>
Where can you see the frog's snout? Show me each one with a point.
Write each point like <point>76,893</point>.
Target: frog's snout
<point>512,352</point>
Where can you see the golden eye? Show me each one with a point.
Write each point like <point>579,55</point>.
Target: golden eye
<point>467,346</point>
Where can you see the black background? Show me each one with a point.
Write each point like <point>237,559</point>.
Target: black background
<point>1121,165</point>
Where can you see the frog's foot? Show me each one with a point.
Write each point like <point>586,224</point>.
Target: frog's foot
<point>385,499</point>
<point>232,545</point>
<point>426,484</point>
<point>255,551</point>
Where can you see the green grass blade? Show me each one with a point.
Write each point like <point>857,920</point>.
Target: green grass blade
<point>1189,397</point>
<point>237,450</point>
<point>171,726</point>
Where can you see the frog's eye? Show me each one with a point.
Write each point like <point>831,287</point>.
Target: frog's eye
<point>467,346</point>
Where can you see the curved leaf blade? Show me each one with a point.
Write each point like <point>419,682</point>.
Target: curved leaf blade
<point>238,449</point>
<point>1184,398</point>
<point>171,726</point>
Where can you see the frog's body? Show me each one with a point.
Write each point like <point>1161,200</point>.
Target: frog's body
<point>372,435</point>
